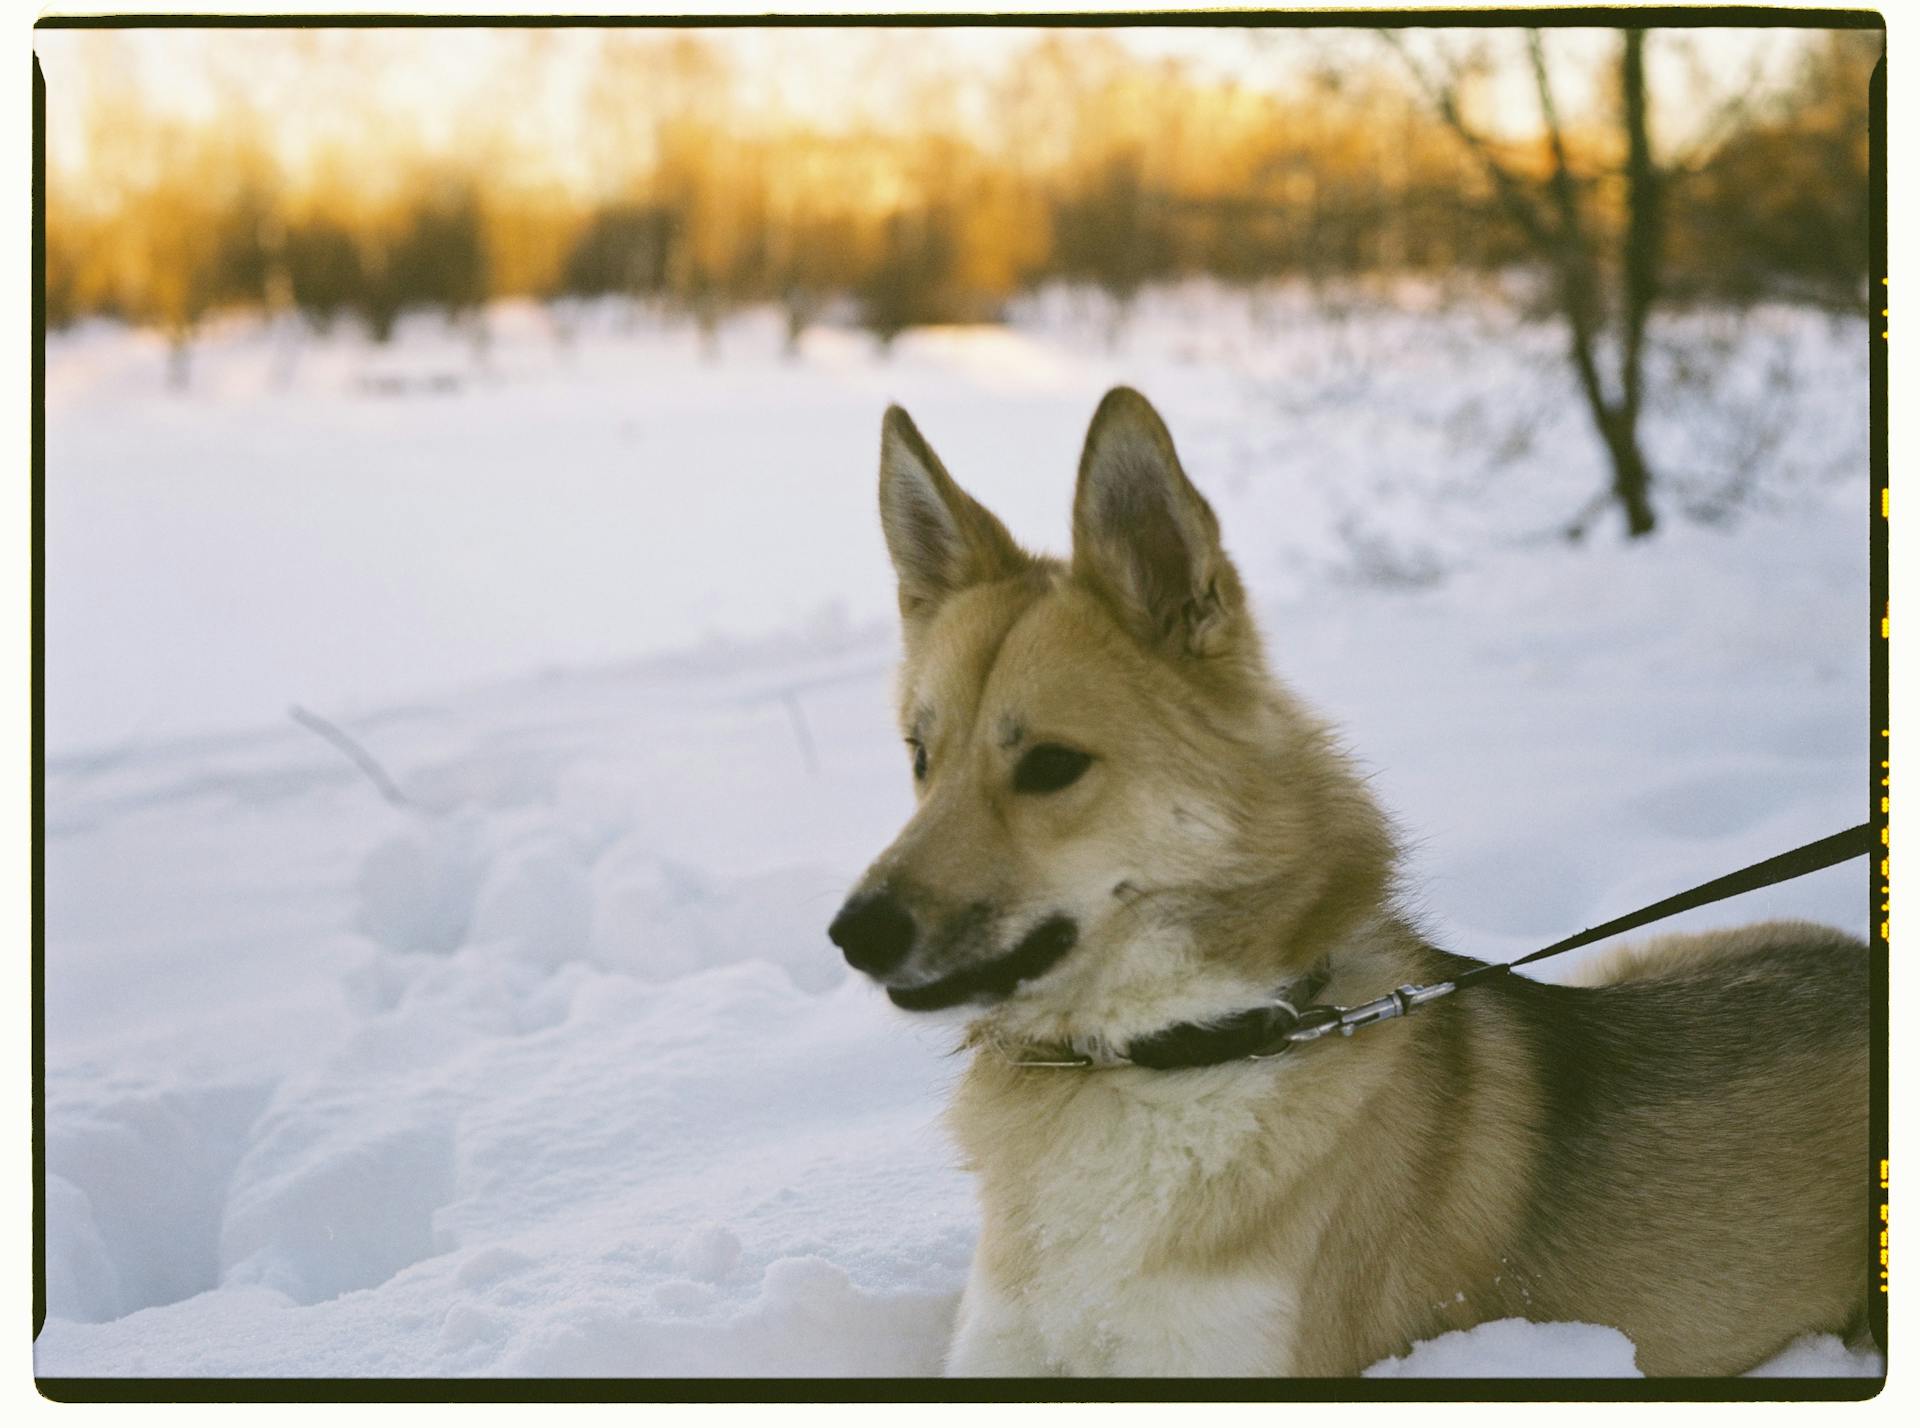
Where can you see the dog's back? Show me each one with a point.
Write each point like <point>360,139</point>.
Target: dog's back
<point>1700,1143</point>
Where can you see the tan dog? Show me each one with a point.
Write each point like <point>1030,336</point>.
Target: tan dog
<point>1128,835</point>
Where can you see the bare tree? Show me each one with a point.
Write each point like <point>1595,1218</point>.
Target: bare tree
<point>1551,213</point>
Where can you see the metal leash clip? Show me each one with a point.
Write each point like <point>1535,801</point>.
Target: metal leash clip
<point>1282,1044</point>
<point>1073,1061</point>
<point>1318,1021</point>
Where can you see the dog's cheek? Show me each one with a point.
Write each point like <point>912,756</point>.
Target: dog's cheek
<point>1073,877</point>
<point>1172,834</point>
<point>1089,853</point>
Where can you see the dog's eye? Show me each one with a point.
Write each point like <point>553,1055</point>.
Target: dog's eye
<point>1046,768</point>
<point>919,758</point>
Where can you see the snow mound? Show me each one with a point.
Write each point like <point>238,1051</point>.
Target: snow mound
<point>1514,1348</point>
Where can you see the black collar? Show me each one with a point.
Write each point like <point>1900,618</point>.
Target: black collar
<point>1255,1033</point>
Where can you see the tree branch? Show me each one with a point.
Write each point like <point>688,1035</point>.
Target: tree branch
<point>1570,255</point>
<point>1640,253</point>
<point>1720,124</point>
<point>1511,193</point>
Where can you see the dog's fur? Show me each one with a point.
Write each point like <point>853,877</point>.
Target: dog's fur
<point>1675,1150</point>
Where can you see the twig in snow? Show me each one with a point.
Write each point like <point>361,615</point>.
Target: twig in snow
<point>792,702</point>
<point>363,760</point>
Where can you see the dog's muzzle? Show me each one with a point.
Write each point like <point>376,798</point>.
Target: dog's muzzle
<point>877,934</point>
<point>874,932</point>
<point>1036,954</point>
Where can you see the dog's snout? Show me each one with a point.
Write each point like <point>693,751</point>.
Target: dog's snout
<point>874,931</point>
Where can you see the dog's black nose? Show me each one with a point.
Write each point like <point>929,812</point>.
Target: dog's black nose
<point>874,931</point>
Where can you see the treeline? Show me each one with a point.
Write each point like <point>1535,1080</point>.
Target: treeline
<point>1090,166</point>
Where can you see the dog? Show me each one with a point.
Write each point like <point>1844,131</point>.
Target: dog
<point>1130,839</point>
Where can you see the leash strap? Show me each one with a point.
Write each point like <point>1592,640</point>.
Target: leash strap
<point>1825,852</point>
<point>1783,867</point>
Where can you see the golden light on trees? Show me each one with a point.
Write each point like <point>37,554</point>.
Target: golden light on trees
<point>930,177</point>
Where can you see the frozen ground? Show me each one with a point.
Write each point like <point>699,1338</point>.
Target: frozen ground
<point>549,1068</point>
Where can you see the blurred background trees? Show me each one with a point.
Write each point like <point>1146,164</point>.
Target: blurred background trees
<point>1646,167</point>
<point>1079,161</point>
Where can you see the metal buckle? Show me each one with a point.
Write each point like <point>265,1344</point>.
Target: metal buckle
<point>1315,1022</point>
<point>1281,1050</point>
<point>1077,1062</point>
<point>1285,1043</point>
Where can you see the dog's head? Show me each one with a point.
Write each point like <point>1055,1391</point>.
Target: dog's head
<point>1122,819</point>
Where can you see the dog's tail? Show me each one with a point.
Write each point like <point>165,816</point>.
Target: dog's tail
<point>1683,952</point>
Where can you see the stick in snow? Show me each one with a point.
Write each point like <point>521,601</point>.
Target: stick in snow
<point>800,730</point>
<point>363,760</point>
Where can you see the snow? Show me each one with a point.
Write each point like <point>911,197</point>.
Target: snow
<point>549,1068</point>
<point>1514,1348</point>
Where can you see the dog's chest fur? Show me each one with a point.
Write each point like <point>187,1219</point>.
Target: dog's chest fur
<point>1115,1238</point>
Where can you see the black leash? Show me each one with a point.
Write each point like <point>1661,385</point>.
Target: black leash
<point>1782,867</point>
<point>1270,1030</point>
<point>1809,858</point>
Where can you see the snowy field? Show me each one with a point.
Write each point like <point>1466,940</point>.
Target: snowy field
<point>546,1067</point>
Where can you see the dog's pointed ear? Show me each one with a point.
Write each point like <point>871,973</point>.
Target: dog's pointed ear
<point>940,538</point>
<point>1146,539</point>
